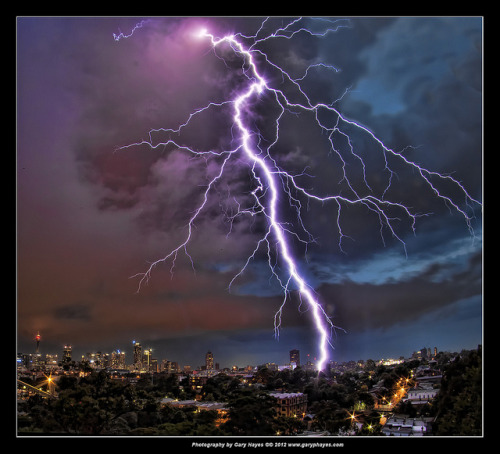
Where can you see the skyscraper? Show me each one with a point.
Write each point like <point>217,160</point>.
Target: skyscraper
<point>295,357</point>
<point>146,359</point>
<point>137,355</point>
<point>209,361</point>
<point>66,357</point>
<point>118,359</point>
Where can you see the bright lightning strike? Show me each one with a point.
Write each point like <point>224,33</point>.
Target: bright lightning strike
<point>274,186</point>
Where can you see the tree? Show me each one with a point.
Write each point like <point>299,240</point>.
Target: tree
<point>263,376</point>
<point>287,425</point>
<point>89,406</point>
<point>406,408</point>
<point>370,365</point>
<point>371,425</point>
<point>366,398</point>
<point>219,387</point>
<point>459,402</point>
<point>330,416</point>
<point>188,421</point>
<point>85,406</point>
<point>251,413</point>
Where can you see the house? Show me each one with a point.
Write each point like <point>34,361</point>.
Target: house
<point>420,395</point>
<point>403,426</point>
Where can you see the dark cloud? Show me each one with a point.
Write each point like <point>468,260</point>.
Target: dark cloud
<point>73,312</point>
<point>426,80</point>
<point>367,306</point>
<point>91,214</point>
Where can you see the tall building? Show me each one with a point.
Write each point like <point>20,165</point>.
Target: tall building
<point>295,357</point>
<point>66,356</point>
<point>137,355</point>
<point>50,362</point>
<point>118,360</point>
<point>209,361</point>
<point>37,338</point>
<point>95,360</point>
<point>147,359</point>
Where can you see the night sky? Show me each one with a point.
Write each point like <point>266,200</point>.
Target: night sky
<point>90,215</point>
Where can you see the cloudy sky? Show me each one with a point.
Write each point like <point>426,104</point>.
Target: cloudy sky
<point>91,214</point>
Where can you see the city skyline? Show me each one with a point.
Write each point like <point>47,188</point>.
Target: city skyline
<point>138,353</point>
<point>90,217</point>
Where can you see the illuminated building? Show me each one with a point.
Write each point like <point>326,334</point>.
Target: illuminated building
<point>137,355</point>
<point>66,356</point>
<point>295,357</point>
<point>309,366</point>
<point>209,361</point>
<point>421,395</point>
<point>291,404</point>
<point>96,360</point>
<point>146,363</point>
<point>50,362</point>
<point>170,367</point>
<point>118,360</point>
<point>390,362</point>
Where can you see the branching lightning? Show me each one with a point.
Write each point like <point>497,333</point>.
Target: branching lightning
<point>275,186</point>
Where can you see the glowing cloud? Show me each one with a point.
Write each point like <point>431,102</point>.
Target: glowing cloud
<point>274,186</point>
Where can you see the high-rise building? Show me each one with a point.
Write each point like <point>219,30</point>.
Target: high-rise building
<point>147,359</point>
<point>295,357</point>
<point>105,360</point>
<point>98,360</point>
<point>137,355</point>
<point>170,367</point>
<point>66,356</point>
<point>118,360</point>
<point>50,361</point>
<point>209,361</point>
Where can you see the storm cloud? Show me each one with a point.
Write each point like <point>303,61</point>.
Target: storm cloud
<point>93,212</point>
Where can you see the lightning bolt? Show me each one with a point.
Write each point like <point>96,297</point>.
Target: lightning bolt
<point>119,36</point>
<point>275,186</point>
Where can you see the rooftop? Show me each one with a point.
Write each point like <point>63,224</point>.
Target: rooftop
<point>285,395</point>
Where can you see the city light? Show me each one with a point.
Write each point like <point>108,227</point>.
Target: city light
<point>192,393</point>
<point>352,417</point>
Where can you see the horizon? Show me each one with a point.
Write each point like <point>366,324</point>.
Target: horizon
<point>81,353</point>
